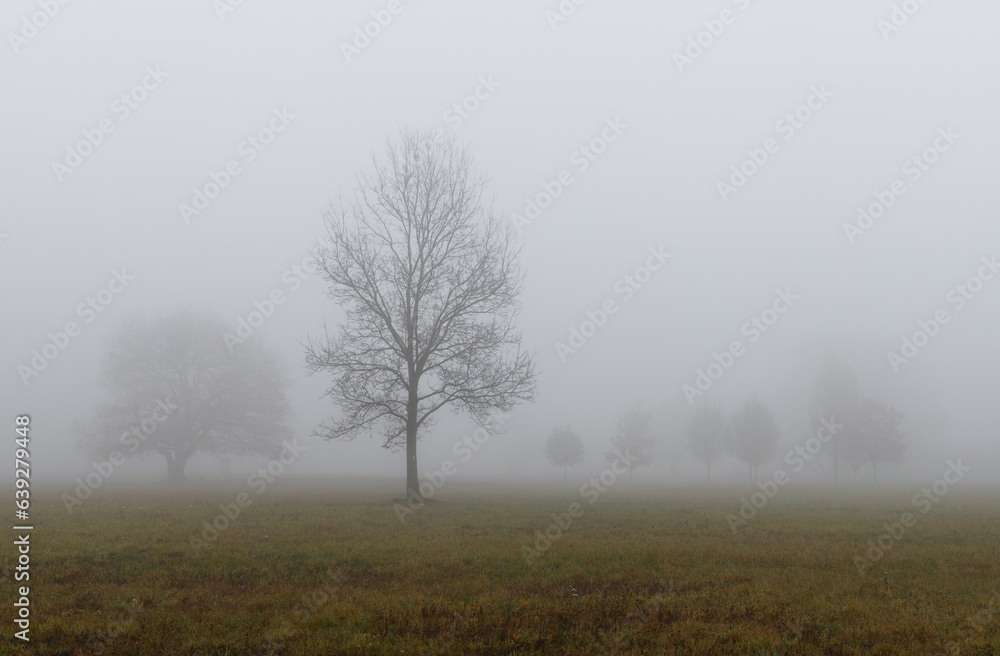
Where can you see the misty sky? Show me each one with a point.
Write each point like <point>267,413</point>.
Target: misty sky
<point>878,99</point>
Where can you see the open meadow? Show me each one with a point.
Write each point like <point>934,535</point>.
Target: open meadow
<point>316,568</point>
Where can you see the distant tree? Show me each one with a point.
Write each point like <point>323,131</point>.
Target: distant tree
<point>880,436</point>
<point>633,439</point>
<point>754,435</point>
<point>835,397</point>
<point>708,432</point>
<point>674,430</point>
<point>429,280</point>
<point>674,445</point>
<point>564,448</point>
<point>178,390</point>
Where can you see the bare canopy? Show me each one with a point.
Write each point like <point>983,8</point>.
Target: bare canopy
<point>429,281</point>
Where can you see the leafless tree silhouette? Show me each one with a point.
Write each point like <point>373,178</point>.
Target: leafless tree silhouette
<point>754,435</point>
<point>563,448</point>
<point>633,439</point>
<point>708,432</point>
<point>836,395</point>
<point>429,280</point>
<point>880,437</point>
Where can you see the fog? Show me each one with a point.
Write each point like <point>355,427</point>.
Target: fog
<point>665,126</point>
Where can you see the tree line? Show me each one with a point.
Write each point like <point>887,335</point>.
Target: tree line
<point>869,432</point>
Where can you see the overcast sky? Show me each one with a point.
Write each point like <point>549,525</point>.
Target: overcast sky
<point>831,99</point>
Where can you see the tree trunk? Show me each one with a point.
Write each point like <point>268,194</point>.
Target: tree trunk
<point>412,479</point>
<point>836,458</point>
<point>175,466</point>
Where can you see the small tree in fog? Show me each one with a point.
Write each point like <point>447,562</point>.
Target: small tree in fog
<point>675,442</point>
<point>708,432</point>
<point>633,439</point>
<point>564,448</point>
<point>754,435</point>
<point>428,279</point>
<point>835,396</point>
<point>178,390</point>
<point>880,437</point>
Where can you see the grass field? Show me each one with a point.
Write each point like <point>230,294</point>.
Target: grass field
<point>321,568</point>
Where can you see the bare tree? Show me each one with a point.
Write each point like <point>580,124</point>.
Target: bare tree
<point>178,390</point>
<point>880,437</point>
<point>674,426</point>
<point>754,435</point>
<point>836,395</point>
<point>429,281</point>
<point>633,440</point>
<point>708,432</point>
<point>564,448</point>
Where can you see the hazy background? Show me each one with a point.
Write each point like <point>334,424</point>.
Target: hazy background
<point>655,186</point>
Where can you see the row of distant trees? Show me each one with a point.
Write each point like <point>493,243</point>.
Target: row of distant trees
<point>872,432</point>
<point>633,437</point>
<point>867,433</point>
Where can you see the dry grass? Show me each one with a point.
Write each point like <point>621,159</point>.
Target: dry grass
<point>333,571</point>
